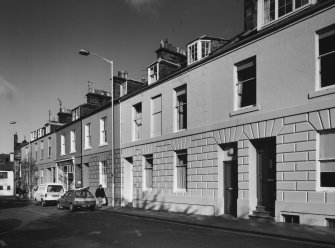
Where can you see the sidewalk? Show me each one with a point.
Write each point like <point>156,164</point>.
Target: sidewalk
<point>297,232</point>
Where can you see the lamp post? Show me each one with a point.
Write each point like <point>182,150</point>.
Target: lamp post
<point>18,180</point>
<point>87,53</point>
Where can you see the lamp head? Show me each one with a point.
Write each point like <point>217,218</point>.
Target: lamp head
<point>84,52</point>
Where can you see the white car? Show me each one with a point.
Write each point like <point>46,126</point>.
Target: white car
<point>48,193</point>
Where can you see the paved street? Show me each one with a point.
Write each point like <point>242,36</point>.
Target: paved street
<point>33,226</point>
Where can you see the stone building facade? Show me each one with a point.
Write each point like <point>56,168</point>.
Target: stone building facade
<point>257,150</point>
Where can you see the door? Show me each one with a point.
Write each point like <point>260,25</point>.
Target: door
<point>230,187</point>
<point>128,182</point>
<point>266,174</point>
<point>85,176</point>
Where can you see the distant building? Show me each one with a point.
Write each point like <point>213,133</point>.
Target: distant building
<point>6,176</point>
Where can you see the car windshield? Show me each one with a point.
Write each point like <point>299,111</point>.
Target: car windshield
<point>55,188</point>
<point>83,194</point>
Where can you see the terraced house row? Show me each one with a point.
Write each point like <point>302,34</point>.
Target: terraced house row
<point>244,126</point>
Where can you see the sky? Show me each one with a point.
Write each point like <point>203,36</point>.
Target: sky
<point>40,40</point>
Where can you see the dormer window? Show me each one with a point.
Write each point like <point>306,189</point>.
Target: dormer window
<point>193,53</point>
<point>75,114</point>
<point>275,9</point>
<point>153,73</point>
<point>205,48</point>
<point>198,50</point>
<point>123,89</point>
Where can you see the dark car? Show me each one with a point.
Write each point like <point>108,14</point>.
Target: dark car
<point>77,198</point>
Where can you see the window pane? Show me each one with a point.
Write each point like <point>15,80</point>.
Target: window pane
<point>327,145</point>
<point>328,166</point>
<point>148,178</point>
<point>248,93</point>
<point>327,42</point>
<point>327,70</point>
<point>156,104</point>
<point>299,3</point>
<point>284,7</point>
<point>269,11</point>
<point>157,124</point>
<point>181,177</point>
<point>327,179</point>
<point>246,87</point>
<point>181,109</point>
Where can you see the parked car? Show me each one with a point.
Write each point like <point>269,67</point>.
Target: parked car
<point>77,198</point>
<point>48,193</point>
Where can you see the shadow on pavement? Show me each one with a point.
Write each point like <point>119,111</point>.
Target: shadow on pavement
<point>9,224</point>
<point>6,202</point>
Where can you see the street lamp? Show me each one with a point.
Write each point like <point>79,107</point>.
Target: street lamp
<point>87,53</point>
<point>17,180</point>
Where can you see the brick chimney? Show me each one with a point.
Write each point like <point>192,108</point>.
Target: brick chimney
<point>64,115</point>
<point>169,59</point>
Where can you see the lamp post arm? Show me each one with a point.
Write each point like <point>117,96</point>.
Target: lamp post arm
<point>103,58</point>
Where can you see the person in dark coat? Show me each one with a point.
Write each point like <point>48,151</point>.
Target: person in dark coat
<point>100,194</point>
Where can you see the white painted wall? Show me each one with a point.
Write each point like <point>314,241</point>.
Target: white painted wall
<point>286,74</point>
<point>9,181</point>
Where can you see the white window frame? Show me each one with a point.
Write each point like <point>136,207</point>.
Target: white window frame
<point>103,173</point>
<point>145,171</point>
<point>153,73</point>
<point>73,141</point>
<point>319,161</point>
<point>154,114</point>
<point>42,149</point>
<point>261,11</point>
<point>205,48</point>
<point>103,131</point>
<point>195,51</point>
<point>182,90</point>
<point>137,122</point>
<point>124,89</point>
<point>238,84</point>
<point>62,144</point>
<point>319,35</point>
<point>176,187</point>
<point>75,114</point>
<point>88,141</point>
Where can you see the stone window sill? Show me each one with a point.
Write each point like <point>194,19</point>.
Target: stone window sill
<point>244,110</point>
<point>321,92</point>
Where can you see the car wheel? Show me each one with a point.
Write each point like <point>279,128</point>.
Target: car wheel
<point>59,205</point>
<point>72,208</point>
<point>43,203</point>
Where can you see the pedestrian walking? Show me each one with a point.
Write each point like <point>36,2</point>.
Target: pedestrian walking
<point>100,194</point>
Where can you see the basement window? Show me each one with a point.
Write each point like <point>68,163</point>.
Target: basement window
<point>327,160</point>
<point>330,223</point>
<point>294,219</point>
